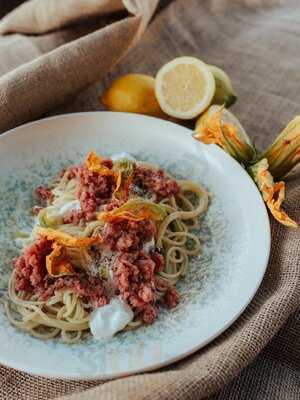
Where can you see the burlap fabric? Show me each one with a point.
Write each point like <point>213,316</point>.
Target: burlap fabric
<point>257,43</point>
<point>72,59</point>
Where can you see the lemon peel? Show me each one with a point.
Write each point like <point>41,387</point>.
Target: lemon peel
<point>133,93</point>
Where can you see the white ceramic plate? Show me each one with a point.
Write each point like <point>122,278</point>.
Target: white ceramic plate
<point>220,283</point>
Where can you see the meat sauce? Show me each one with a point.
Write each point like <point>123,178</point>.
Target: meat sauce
<point>134,278</point>
<point>134,269</point>
<point>95,190</point>
<point>31,276</point>
<point>128,236</point>
<point>155,181</point>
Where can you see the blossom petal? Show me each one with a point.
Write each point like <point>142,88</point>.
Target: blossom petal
<point>135,210</point>
<point>93,163</point>
<point>272,193</point>
<point>67,240</point>
<point>56,262</point>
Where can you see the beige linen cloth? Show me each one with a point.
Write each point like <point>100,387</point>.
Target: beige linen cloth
<point>257,42</point>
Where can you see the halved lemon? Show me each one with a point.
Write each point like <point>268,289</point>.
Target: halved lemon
<point>184,87</point>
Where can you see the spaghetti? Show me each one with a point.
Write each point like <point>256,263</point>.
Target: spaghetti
<point>122,229</point>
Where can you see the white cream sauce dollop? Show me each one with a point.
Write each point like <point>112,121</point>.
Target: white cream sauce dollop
<point>106,321</point>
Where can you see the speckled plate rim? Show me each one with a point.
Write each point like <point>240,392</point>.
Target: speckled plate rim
<point>258,220</point>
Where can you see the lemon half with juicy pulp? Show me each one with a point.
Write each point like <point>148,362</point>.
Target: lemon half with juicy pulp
<point>184,87</point>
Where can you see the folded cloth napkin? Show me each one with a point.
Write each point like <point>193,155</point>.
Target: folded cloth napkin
<point>257,46</point>
<point>46,79</point>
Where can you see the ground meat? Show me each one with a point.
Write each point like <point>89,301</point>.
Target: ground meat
<point>127,241</point>
<point>127,236</point>
<point>108,162</point>
<point>77,217</point>
<point>155,182</point>
<point>171,298</point>
<point>92,289</point>
<point>70,172</point>
<point>146,293</point>
<point>146,267</point>
<point>36,210</point>
<point>159,261</point>
<point>43,193</point>
<point>150,313</point>
<point>134,277</point>
<point>87,287</point>
<point>93,190</point>
<point>114,203</point>
<point>32,277</point>
<point>30,267</point>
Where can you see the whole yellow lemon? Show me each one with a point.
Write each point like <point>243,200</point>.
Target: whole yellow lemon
<point>133,93</point>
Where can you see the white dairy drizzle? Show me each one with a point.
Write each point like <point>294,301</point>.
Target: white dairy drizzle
<point>106,321</point>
